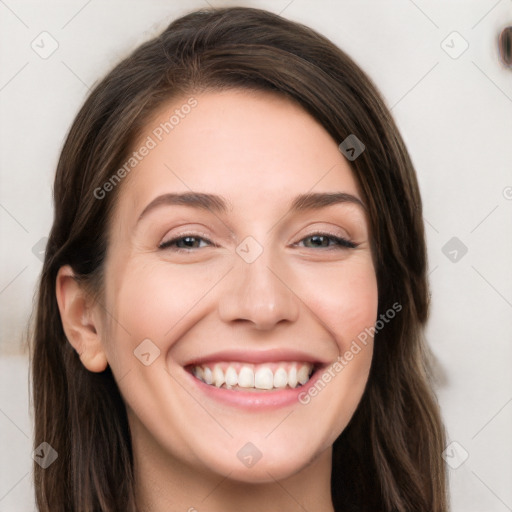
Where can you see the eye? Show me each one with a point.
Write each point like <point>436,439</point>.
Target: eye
<point>315,241</point>
<point>185,242</point>
<point>327,241</point>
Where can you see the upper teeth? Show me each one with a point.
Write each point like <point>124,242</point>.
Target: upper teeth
<point>262,376</point>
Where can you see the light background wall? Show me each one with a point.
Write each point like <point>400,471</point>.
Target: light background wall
<point>454,112</point>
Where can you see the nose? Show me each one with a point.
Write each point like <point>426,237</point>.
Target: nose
<point>258,293</point>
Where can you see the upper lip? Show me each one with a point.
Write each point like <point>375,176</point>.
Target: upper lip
<point>256,357</point>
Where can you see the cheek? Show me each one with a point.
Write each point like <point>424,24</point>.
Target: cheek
<point>153,299</point>
<point>344,297</point>
<point>158,300</point>
<point>345,300</point>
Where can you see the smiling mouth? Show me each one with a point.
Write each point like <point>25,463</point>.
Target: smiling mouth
<point>240,376</point>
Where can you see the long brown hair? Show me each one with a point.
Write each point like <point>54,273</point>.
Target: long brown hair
<point>389,456</point>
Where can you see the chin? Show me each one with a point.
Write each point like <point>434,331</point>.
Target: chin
<point>265,464</point>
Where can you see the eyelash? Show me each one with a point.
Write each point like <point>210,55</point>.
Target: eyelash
<point>341,243</point>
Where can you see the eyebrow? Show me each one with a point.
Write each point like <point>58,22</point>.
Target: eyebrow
<point>218,204</point>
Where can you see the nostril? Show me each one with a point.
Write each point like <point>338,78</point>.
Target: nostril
<point>505,46</point>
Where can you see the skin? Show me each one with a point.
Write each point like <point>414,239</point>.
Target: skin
<point>259,151</point>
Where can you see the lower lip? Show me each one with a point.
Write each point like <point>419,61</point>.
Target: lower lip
<point>255,400</point>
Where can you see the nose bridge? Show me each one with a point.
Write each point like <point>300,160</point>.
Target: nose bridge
<point>256,292</point>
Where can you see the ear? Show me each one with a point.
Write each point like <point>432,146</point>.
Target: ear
<point>80,320</point>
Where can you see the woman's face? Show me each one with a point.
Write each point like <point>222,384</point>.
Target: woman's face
<point>239,267</point>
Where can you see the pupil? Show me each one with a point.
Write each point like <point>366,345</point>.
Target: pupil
<point>319,240</point>
<point>189,241</point>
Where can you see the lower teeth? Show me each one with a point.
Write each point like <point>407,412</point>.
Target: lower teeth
<point>239,388</point>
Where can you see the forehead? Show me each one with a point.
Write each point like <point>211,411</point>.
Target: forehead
<point>255,148</point>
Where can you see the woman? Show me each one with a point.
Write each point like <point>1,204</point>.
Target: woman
<point>234,292</point>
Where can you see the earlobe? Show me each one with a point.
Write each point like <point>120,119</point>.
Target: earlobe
<point>78,320</point>
<point>94,361</point>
